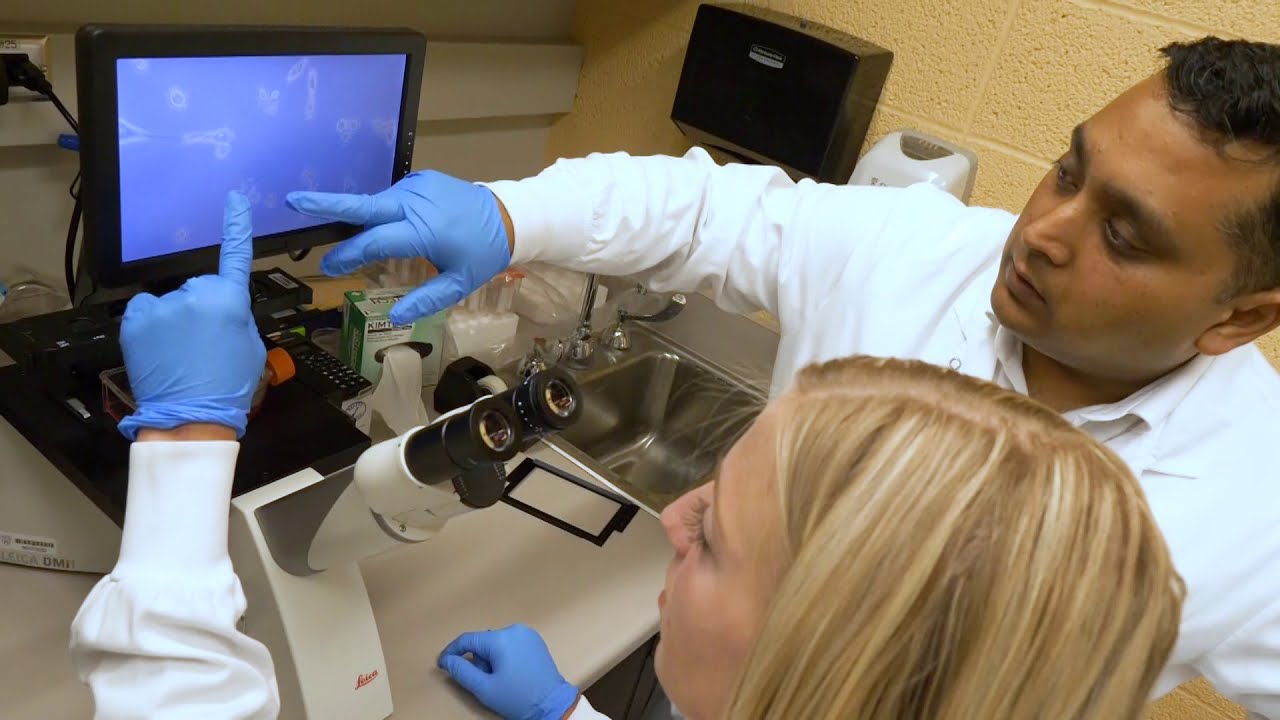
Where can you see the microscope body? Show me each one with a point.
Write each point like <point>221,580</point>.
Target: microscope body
<point>295,543</point>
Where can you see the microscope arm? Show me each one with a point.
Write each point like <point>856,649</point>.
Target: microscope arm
<point>405,489</point>
<point>385,505</point>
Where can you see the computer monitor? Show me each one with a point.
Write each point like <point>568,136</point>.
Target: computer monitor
<point>172,118</point>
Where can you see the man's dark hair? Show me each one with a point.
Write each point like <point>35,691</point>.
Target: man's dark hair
<point>1231,89</point>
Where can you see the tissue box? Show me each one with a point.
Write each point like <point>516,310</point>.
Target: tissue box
<point>366,329</point>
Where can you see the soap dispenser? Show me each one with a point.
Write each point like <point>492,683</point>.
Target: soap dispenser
<point>906,157</point>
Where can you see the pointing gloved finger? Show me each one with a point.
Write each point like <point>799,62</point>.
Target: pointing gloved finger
<point>377,243</point>
<point>237,240</point>
<point>355,209</point>
<point>440,292</point>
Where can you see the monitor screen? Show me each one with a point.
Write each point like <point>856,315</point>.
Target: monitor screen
<point>193,128</point>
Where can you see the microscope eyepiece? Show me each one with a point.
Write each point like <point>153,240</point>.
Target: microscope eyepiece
<point>468,448</point>
<point>546,403</point>
<point>496,431</point>
<point>561,399</point>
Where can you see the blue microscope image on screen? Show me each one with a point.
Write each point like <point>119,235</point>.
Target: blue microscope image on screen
<point>191,129</point>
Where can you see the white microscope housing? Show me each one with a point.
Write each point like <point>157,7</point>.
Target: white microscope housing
<point>295,542</point>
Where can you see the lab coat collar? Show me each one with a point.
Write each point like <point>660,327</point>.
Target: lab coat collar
<point>1153,404</point>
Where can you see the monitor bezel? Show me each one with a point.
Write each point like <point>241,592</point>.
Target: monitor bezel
<point>99,47</point>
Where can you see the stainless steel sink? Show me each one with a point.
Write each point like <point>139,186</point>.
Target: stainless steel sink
<point>657,420</point>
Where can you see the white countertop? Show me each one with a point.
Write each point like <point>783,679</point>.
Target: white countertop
<point>486,570</point>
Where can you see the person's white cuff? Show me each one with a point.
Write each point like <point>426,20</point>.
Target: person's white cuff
<point>177,508</point>
<point>584,711</point>
<point>550,222</point>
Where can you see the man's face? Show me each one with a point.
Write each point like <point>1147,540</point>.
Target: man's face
<point>1118,263</point>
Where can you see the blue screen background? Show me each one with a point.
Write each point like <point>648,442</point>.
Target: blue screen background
<point>191,129</point>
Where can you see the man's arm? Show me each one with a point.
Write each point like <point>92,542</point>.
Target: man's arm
<point>1246,667</point>
<point>747,233</point>
<point>157,637</point>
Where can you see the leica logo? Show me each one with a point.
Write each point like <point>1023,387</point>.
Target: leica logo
<point>366,679</point>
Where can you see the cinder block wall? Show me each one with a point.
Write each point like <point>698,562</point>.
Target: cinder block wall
<point>1007,78</point>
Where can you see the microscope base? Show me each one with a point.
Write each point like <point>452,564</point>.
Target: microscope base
<point>45,520</point>
<point>319,628</point>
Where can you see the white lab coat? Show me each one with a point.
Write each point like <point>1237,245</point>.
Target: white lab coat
<point>908,273</point>
<point>157,638</point>
<point>882,271</point>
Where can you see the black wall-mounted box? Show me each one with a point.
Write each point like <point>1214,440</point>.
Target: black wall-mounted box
<point>771,88</point>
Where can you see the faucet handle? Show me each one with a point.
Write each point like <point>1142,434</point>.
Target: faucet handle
<point>536,360</point>
<point>673,308</point>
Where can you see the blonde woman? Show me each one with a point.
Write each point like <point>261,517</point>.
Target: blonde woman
<point>892,541</point>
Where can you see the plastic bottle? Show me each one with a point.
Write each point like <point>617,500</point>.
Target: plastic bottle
<point>23,295</point>
<point>279,369</point>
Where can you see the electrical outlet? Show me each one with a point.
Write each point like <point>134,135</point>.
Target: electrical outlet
<point>35,47</point>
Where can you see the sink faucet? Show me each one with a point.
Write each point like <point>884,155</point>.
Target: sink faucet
<point>575,350</point>
<point>578,349</point>
<point>618,339</point>
<point>581,343</point>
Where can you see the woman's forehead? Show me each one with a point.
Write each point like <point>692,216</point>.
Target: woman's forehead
<point>746,488</point>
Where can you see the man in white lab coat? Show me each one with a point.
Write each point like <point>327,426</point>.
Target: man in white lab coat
<point>1126,295</point>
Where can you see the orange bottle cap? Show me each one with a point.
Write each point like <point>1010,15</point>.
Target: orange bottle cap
<point>281,365</point>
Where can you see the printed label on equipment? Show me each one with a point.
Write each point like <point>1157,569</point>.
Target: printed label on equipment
<point>283,281</point>
<point>765,56</point>
<point>52,562</point>
<point>23,542</point>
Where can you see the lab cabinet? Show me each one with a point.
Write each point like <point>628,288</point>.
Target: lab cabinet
<point>629,688</point>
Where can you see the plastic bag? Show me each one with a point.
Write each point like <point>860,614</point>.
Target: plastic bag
<point>550,295</point>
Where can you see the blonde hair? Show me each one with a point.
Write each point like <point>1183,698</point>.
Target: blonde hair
<point>954,551</point>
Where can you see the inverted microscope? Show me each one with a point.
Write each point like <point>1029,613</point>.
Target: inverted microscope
<point>312,495</point>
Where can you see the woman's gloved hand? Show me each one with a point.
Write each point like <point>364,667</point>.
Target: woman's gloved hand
<point>456,225</point>
<point>511,672</point>
<point>194,355</point>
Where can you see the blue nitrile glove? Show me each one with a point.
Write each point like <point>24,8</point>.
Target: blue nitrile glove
<point>454,224</point>
<point>194,355</point>
<point>511,672</point>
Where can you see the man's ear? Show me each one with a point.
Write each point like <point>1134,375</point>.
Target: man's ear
<point>1252,316</point>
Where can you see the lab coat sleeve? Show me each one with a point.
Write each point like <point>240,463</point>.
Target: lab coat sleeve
<point>1246,667</point>
<point>747,233</point>
<point>157,637</point>
<point>584,711</point>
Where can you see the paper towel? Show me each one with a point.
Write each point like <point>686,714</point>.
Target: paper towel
<point>398,396</point>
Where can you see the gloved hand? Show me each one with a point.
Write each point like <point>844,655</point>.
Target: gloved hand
<point>454,224</point>
<point>511,672</point>
<point>194,355</point>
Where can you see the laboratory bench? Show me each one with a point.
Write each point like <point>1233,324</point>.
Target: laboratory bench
<point>594,605</point>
